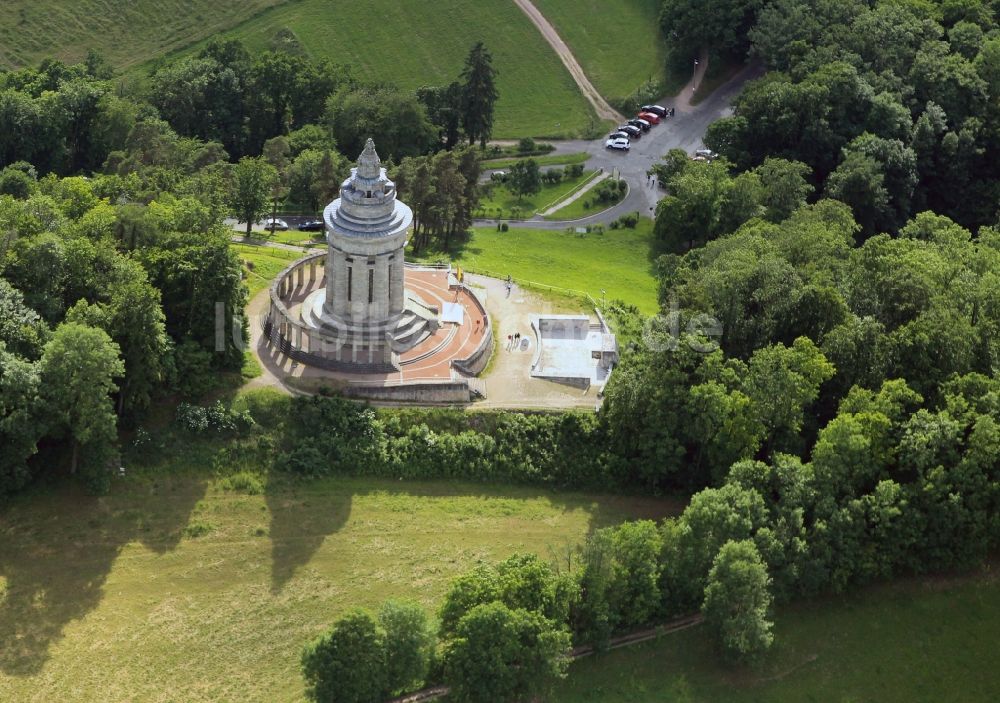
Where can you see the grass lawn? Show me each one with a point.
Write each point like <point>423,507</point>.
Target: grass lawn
<point>267,263</point>
<point>547,160</point>
<point>414,43</point>
<point>618,42</point>
<point>177,588</point>
<point>926,641</point>
<point>579,208</point>
<point>501,200</point>
<point>617,260</point>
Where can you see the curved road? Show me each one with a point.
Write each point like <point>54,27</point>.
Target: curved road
<point>684,131</point>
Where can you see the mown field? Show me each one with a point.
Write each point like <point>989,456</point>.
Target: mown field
<point>917,641</point>
<point>176,587</point>
<point>126,32</point>
<point>618,42</point>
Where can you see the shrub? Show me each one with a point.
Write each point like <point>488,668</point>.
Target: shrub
<point>526,145</point>
<point>243,482</point>
<point>215,418</point>
<point>629,220</point>
<point>573,171</point>
<point>553,175</point>
<point>197,529</point>
<point>504,227</point>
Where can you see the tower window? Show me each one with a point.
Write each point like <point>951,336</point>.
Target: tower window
<point>371,285</point>
<point>350,281</point>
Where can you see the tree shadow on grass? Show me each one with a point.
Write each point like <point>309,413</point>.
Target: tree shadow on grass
<point>302,517</point>
<point>57,547</point>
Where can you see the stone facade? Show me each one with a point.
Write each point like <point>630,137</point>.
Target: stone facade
<point>364,315</point>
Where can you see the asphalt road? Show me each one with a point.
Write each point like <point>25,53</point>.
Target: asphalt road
<point>684,130</point>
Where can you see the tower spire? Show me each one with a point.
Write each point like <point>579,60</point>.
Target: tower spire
<point>369,164</point>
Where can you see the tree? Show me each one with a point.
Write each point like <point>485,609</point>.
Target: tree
<point>396,119</point>
<point>133,317</point>
<point>737,600</point>
<point>78,368</point>
<point>785,188</point>
<point>504,655</point>
<point>348,664</point>
<point>524,178</point>
<point>409,645</point>
<point>479,95</point>
<point>253,180</point>
<point>521,581</point>
<point>21,420</point>
<point>860,183</point>
<point>691,214</point>
<point>21,329</point>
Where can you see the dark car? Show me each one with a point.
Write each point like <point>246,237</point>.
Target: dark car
<point>311,226</point>
<point>618,135</point>
<point>639,124</point>
<point>656,110</point>
<point>631,131</point>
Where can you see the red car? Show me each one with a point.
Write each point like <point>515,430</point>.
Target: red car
<point>649,117</point>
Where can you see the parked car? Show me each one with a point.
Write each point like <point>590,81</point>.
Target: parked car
<point>707,153</point>
<point>633,132</point>
<point>649,117</point>
<point>618,135</point>
<point>619,143</point>
<point>641,124</point>
<point>311,226</point>
<point>274,223</point>
<point>656,110</point>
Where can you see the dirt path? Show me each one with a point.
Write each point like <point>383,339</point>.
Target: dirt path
<point>601,106</point>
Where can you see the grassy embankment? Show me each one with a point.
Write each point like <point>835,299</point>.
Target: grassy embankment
<point>619,261</point>
<point>584,206</point>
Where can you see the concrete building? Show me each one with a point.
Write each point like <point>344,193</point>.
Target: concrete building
<point>364,315</point>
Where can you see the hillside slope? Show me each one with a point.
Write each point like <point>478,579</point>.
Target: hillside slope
<point>409,42</point>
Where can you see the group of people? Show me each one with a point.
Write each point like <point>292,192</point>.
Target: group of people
<point>513,341</point>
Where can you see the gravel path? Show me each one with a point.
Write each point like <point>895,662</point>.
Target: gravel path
<point>601,106</point>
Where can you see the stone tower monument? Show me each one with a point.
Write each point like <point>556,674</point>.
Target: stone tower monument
<point>365,316</point>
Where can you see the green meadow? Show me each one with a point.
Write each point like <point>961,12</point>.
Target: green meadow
<point>912,641</point>
<point>204,572</point>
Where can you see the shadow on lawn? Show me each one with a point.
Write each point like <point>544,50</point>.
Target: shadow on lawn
<point>300,521</point>
<point>54,571</point>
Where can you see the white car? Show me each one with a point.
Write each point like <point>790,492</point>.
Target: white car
<point>274,223</point>
<point>706,153</point>
<point>618,143</point>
